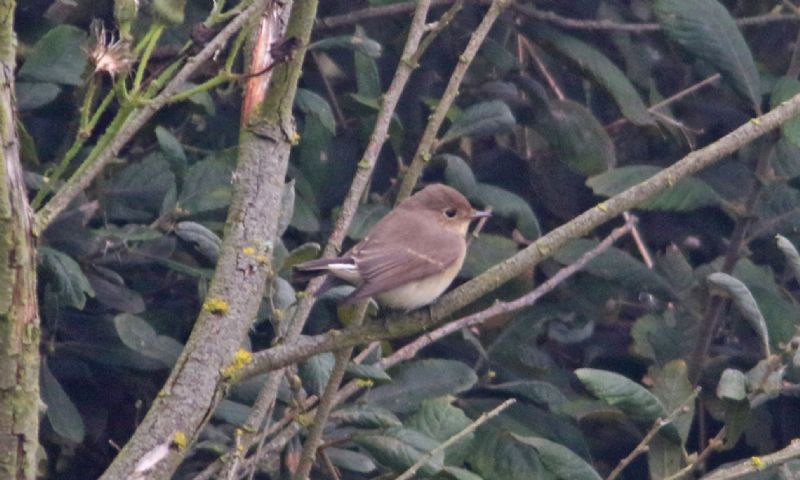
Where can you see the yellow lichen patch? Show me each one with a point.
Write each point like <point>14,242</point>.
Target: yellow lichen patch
<point>294,138</point>
<point>179,440</point>
<point>364,383</point>
<point>217,306</point>
<point>305,420</point>
<point>755,121</point>
<point>603,207</point>
<point>249,251</point>
<point>240,359</point>
<point>262,259</point>
<point>757,462</point>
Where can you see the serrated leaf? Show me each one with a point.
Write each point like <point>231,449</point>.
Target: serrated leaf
<point>578,136</point>
<point>707,30</point>
<point>62,413</point>
<point>366,416</point>
<point>481,120</point>
<point>595,63</point>
<point>535,390</point>
<point>350,460</point>
<point>369,372</point>
<point>69,282</point>
<point>399,448</point>
<point>687,194</point>
<point>634,400</point>
<point>420,380</point>
<point>58,57</point>
<point>560,460</point>
<point>745,302</point>
<point>614,264</point>
<point>312,104</point>
<point>206,187</point>
<point>440,420</point>
<point>315,372</point>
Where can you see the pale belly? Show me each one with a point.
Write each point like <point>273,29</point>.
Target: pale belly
<point>420,293</point>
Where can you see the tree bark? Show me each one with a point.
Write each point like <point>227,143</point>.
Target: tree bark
<point>19,315</point>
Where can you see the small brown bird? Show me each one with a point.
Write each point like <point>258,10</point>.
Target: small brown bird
<point>411,255</point>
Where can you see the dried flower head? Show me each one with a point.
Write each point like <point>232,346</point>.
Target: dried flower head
<point>108,53</point>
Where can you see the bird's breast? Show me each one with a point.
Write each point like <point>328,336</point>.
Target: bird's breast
<point>419,293</point>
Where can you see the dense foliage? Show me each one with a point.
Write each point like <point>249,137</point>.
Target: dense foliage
<point>552,119</point>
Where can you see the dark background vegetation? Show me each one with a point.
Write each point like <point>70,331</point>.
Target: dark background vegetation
<point>550,120</point>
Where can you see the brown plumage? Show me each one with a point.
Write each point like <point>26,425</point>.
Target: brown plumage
<point>411,255</point>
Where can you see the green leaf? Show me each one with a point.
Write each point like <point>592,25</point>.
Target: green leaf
<point>634,400</point>
<point>457,173</point>
<point>440,420</point>
<point>508,205</point>
<point>455,473</point>
<point>31,95</point>
<point>365,218</point>
<point>366,416</point>
<point>58,57</point>
<point>169,12</point>
<point>69,283</point>
<point>687,194</point>
<point>312,104</point>
<point>207,187</point>
<point>139,336</point>
<point>535,390</point>
<point>399,448</point>
<point>614,264</point>
<point>790,252</point>
<point>357,42</point>
<point>171,147</point>
<point>350,460</point>
<point>579,138</point>
<point>369,372</point>
<point>786,88</point>
<point>368,79</point>
<point>672,387</point>
<point>110,290</point>
<point>745,302</point>
<point>206,241</point>
<point>707,30</point>
<point>420,380</point>
<point>485,252</point>
<point>732,385</point>
<point>136,192</point>
<point>560,460</point>
<point>62,414</point>
<point>481,120</point>
<point>315,372</point>
<point>500,455</point>
<point>595,63</point>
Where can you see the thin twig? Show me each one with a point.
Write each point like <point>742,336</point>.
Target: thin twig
<point>714,444</point>
<point>370,13</point>
<point>408,474</point>
<point>657,426</point>
<point>327,401</point>
<point>757,464</point>
<point>534,55</point>
<point>428,141</point>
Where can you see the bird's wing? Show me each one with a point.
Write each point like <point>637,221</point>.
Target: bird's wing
<point>385,264</point>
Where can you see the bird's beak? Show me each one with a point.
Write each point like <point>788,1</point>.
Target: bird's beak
<point>481,214</point>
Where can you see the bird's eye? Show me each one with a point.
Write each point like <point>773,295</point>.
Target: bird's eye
<point>450,212</point>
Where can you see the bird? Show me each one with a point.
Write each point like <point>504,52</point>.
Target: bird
<point>410,257</point>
